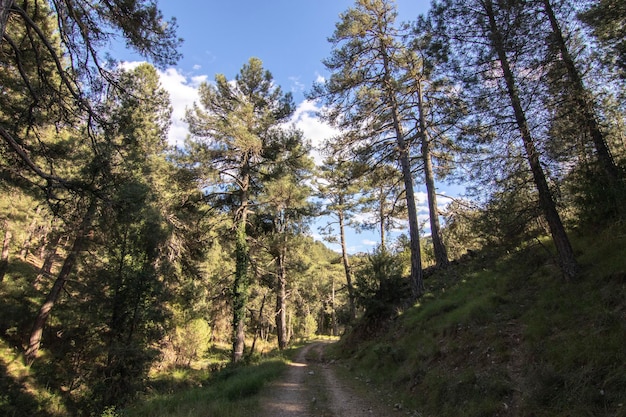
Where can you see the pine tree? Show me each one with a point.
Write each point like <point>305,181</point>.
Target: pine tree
<point>365,98</point>
<point>502,27</point>
<point>232,127</point>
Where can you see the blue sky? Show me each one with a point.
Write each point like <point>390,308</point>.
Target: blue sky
<point>289,36</point>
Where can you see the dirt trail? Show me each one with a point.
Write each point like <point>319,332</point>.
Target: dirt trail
<point>311,388</point>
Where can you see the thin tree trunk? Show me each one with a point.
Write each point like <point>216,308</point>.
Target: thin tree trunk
<point>417,276</point>
<point>335,330</point>
<point>441,255</point>
<point>346,262</point>
<point>281,301</point>
<point>80,242</point>
<point>5,10</point>
<point>381,215</point>
<point>240,292</point>
<point>242,280</point>
<point>4,259</point>
<point>29,236</point>
<point>582,98</point>
<point>48,258</point>
<point>259,328</point>
<point>567,260</point>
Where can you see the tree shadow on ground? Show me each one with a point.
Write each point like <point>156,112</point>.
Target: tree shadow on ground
<point>15,401</point>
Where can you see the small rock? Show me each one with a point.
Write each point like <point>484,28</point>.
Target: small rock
<point>311,373</point>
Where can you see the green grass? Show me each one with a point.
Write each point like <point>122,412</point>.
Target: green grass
<point>20,395</point>
<point>231,392</point>
<point>508,337</point>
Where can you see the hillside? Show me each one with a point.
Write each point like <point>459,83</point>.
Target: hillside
<point>506,336</point>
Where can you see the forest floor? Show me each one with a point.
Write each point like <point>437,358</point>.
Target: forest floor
<point>314,386</point>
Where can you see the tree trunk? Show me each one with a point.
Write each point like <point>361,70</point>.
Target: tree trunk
<point>242,280</point>
<point>30,235</point>
<point>259,327</point>
<point>333,316</point>
<point>441,255</point>
<point>5,9</point>
<point>346,262</point>
<point>48,258</point>
<point>567,260</point>
<point>240,292</point>
<point>281,301</point>
<point>382,217</point>
<point>80,242</point>
<point>4,259</point>
<point>582,98</point>
<point>417,276</point>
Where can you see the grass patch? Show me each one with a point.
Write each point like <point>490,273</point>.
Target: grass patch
<point>20,395</point>
<point>508,336</point>
<point>230,392</point>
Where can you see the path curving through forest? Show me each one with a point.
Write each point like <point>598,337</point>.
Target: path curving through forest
<point>311,387</point>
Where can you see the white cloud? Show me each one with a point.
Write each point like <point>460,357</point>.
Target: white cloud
<point>296,85</point>
<point>421,198</point>
<point>305,118</point>
<point>198,79</point>
<point>129,66</point>
<point>368,242</point>
<point>183,92</point>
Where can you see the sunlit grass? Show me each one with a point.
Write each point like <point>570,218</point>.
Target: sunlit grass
<point>508,336</point>
<point>20,395</point>
<point>230,392</point>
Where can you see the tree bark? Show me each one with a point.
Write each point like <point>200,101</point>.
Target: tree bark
<point>382,217</point>
<point>4,259</point>
<point>241,283</point>
<point>30,235</point>
<point>281,301</point>
<point>567,260</point>
<point>583,101</point>
<point>240,291</point>
<point>346,261</point>
<point>417,276</point>
<point>50,253</point>
<point>80,242</point>
<point>441,254</point>
<point>5,10</point>
<point>333,318</point>
<point>259,328</point>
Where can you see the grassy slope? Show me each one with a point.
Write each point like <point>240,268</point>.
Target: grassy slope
<point>506,337</point>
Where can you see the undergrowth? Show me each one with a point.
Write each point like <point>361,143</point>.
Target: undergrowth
<point>507,336</point>
<point>229,392</point>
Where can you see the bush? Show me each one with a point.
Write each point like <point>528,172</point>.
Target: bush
<point>380,287</point>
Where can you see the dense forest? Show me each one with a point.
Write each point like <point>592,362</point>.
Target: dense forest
<point>124,256</point>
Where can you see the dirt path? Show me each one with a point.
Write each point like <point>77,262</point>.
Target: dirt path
<point>311,388</point>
